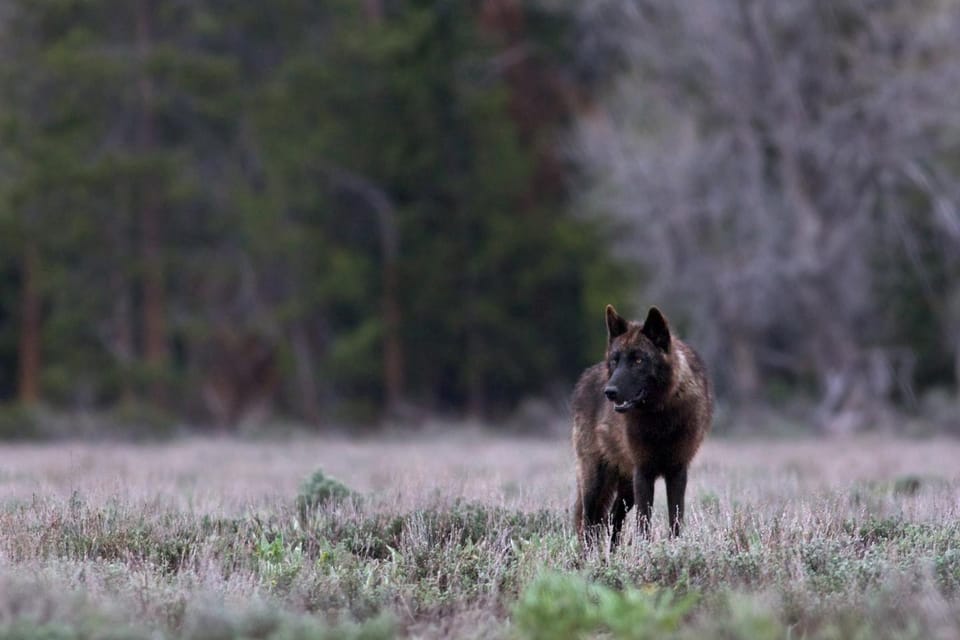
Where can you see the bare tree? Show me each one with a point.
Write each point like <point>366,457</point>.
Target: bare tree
<point>151,227</point>
<point>763,153</point>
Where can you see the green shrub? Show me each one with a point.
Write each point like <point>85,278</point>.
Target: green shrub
<point>556,606</point>
<point>277,561</point>
<point>319,490</point>
<point>559,605</point>
<point>947,571</point>
<point>739,617</point>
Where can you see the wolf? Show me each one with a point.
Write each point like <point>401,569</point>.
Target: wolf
<point>639,415</point>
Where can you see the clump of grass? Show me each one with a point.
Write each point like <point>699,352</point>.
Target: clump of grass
<point>379,534</point>
<point>907,485</point>
<point>320,490</point>
<point>30,610</point>
<point>262,623</point>
<point>431,558</point>
<point>33,611</point>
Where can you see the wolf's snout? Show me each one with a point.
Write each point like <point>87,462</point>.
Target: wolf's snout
<point>611,392</point>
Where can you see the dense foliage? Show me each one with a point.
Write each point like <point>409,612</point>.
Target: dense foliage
<point>339,209</point>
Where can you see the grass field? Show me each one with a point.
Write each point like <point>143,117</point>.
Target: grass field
<point>469,536</point>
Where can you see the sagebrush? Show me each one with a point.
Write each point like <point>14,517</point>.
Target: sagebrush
<point>471,537</point>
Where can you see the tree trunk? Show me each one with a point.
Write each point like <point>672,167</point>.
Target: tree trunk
<point>476,393</point>
<point>306,374</point>
<point>121,338</point>
<point>956,366</point>
<point>390,304</point>
<point>154,324</point>
<point>373,9</point>
<point>390,249</point>
<point>393,377</point>
<point>745,375</point>
<point>28,376</point>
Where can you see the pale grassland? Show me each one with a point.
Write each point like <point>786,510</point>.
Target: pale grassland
<point>446,533</point>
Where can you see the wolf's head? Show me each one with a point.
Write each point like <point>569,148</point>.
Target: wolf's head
<point>639,361</point>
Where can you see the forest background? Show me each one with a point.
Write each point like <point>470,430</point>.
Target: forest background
<point>220,213</point>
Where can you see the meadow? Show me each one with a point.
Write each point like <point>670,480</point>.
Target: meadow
<point>437,535</point>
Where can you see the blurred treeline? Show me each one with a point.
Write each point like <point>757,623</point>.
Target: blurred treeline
<point>357,209</point>
<point>337,209</point>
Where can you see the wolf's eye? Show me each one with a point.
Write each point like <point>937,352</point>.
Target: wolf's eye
<point>638,360</point>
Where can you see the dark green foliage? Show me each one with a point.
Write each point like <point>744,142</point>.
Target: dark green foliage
<point>18,422</point>
<point>877,530</point>
<point>493,287</point>
<point>309,163</point>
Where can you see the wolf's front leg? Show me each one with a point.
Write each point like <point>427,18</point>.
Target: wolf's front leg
<point>643,482</point>
<point>676,487</point>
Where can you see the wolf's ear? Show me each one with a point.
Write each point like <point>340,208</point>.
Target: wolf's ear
<point>616,326</point>
<point>655,327</point>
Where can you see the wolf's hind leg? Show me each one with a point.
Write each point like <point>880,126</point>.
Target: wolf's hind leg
<point>596,491</point>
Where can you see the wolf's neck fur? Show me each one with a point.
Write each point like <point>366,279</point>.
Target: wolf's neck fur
<point>681,372</point>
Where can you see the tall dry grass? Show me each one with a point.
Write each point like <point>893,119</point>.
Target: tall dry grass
<point>444,533</point>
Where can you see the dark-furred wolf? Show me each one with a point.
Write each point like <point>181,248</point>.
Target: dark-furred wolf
<point>639,415</point>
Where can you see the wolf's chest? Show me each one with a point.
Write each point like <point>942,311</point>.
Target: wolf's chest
<point>627,445</point>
